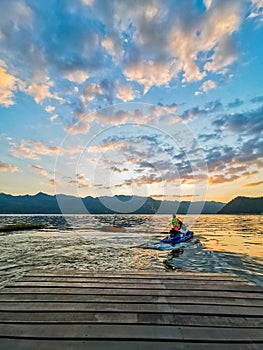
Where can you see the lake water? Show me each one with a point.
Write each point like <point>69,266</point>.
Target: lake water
<point>222,243</point>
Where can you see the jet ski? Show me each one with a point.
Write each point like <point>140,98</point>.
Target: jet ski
<point>181,236</point>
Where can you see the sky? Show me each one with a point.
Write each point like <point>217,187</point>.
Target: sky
<point>145,98</point>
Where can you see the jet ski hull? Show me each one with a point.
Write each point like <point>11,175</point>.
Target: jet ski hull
<point>178,239</point>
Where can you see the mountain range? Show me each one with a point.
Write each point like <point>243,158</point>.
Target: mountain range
<point>243,205</point>
<point>42,203</point>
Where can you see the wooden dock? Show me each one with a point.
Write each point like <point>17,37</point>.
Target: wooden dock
<point>85,310</point>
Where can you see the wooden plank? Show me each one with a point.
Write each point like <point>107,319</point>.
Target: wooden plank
<point>124,307</point>
<point>231,286</point>
<point>185,299</point>
<point>136,332</point>
<point>41,344</point>
<point>144,274</point>
<point>140,292</point>
<point>112,284</point>
<point>131,318</point>
<point>125,279</point>
<point>104,272</point>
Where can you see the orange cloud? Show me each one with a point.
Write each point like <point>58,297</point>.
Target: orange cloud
<point>5,167</point>
<point>53,182</point>
<point>41,171</point>
<point>126,93</point>
<point>7,87</point>
<point>146,180</point>
<point>157,196</point>
<point>108,145</point>
<point>208,85</point>
<point>81,181</point>
<point>39,91</point>
<point>149,73</point>
<point>77,76</point>
<point>253,184</point>
<point>113,48</point>
<point>31,149</point>
<point>219,179</point>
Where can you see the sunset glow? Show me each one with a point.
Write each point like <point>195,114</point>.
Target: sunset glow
<point>149,98</point>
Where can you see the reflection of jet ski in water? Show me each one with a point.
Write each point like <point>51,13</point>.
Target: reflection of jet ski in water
<point>175,253</point>
<point>178,236</point>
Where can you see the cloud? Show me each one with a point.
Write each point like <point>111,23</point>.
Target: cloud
<point>76,75</point>
<point>253,184</point>
<point>257,99</point>
<point>81,125</point>
<point>114,168</point>
<point>161,109</point>
<point>32,149</point>
<point>163,113</point>
<point>72,51</point>
<point>183,48</point>
<point>89,93</point>
<point>243,160</point>
<point>247,123</point>
<point>215,28</point>
<point>225,53</point>
<point>54,117</point>
<point>208,137</point>
<point>208,85</point>
<point>17,15</point>
<point>148,180</point>
<point>256,10</point>
<point>251,150</point>
<point>7,88</point>
<point>53,182</point>
<point>208,109</point>
<point>126,93</point>
<point>50,109</point>
<point>111,116</point>
<point>219,179</point>
<point>87,2</point>
<point>108,145</point>
<point>149,74</point>
<point>152,42</point>
<point>162,196</point>
<point>151,160</point>
<point>39,91</point>
<point>40,170</point>
<point>81,181</point>
<point>6,167</point>
<point>236,103</point>
<point>207,3</point>
<point>112,46</point>
<point>218,158</point>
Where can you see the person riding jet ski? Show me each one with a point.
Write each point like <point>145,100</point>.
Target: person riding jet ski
<point>176,226</point>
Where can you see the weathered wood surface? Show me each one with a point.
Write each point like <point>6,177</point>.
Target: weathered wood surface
<point>130,299</point>
<point>249,294</point>
<point>88,310</point>
<point>132,279</point>
<point>80,344</point>
<point>158,318</point>
<point>136,332</point>
<point>139,307</point>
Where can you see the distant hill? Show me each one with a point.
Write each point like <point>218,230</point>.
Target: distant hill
<point>42,203</point>
<point>243,205</point>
